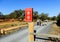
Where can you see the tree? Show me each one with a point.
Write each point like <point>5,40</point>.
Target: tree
<point>54,18</point>
<point>49,18</point>
<point>58,20</point>
<point>12,15</point>
<point>1,15</point>
<point>35,15</point>
<point>16,13</point>
<point>43,16</point>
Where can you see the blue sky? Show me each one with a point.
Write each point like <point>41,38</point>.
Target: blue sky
<point>52,7</point>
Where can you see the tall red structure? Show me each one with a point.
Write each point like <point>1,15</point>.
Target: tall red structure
<point>28,14</point>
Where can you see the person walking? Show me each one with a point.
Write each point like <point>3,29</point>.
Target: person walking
<point>38,22</point>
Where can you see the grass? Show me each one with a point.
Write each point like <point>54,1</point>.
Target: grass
<point>11,24</point>
<point>55,31</point>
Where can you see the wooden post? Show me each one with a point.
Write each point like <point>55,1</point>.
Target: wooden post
<point>31,30</point>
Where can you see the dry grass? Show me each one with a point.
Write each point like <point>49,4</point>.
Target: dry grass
<point>11,24</point>
<point>55,31</point>
<point>15,22</point>
<point>10,27</point>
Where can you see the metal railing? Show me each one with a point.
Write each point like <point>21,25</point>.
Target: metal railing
<point>50,37</point>
<point>4,30</point>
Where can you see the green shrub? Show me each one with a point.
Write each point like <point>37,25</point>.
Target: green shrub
<point>58,20</point>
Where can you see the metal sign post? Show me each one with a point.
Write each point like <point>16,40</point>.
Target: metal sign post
<point>28,18</point>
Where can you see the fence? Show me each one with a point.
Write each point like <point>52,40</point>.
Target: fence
<point>55,38</point>
<point>4,30</point>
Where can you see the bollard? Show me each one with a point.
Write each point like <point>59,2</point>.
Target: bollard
<point>34,35</point>
<point>0,32</point>
<point>3,32</point>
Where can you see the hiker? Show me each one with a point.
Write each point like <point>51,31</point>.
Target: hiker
<point>39,22</point>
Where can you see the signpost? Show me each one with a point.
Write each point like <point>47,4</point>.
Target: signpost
<point>28,14</point>
<point>28,18</point>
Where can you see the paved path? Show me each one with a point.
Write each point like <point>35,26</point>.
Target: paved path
<point>22,36</point>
